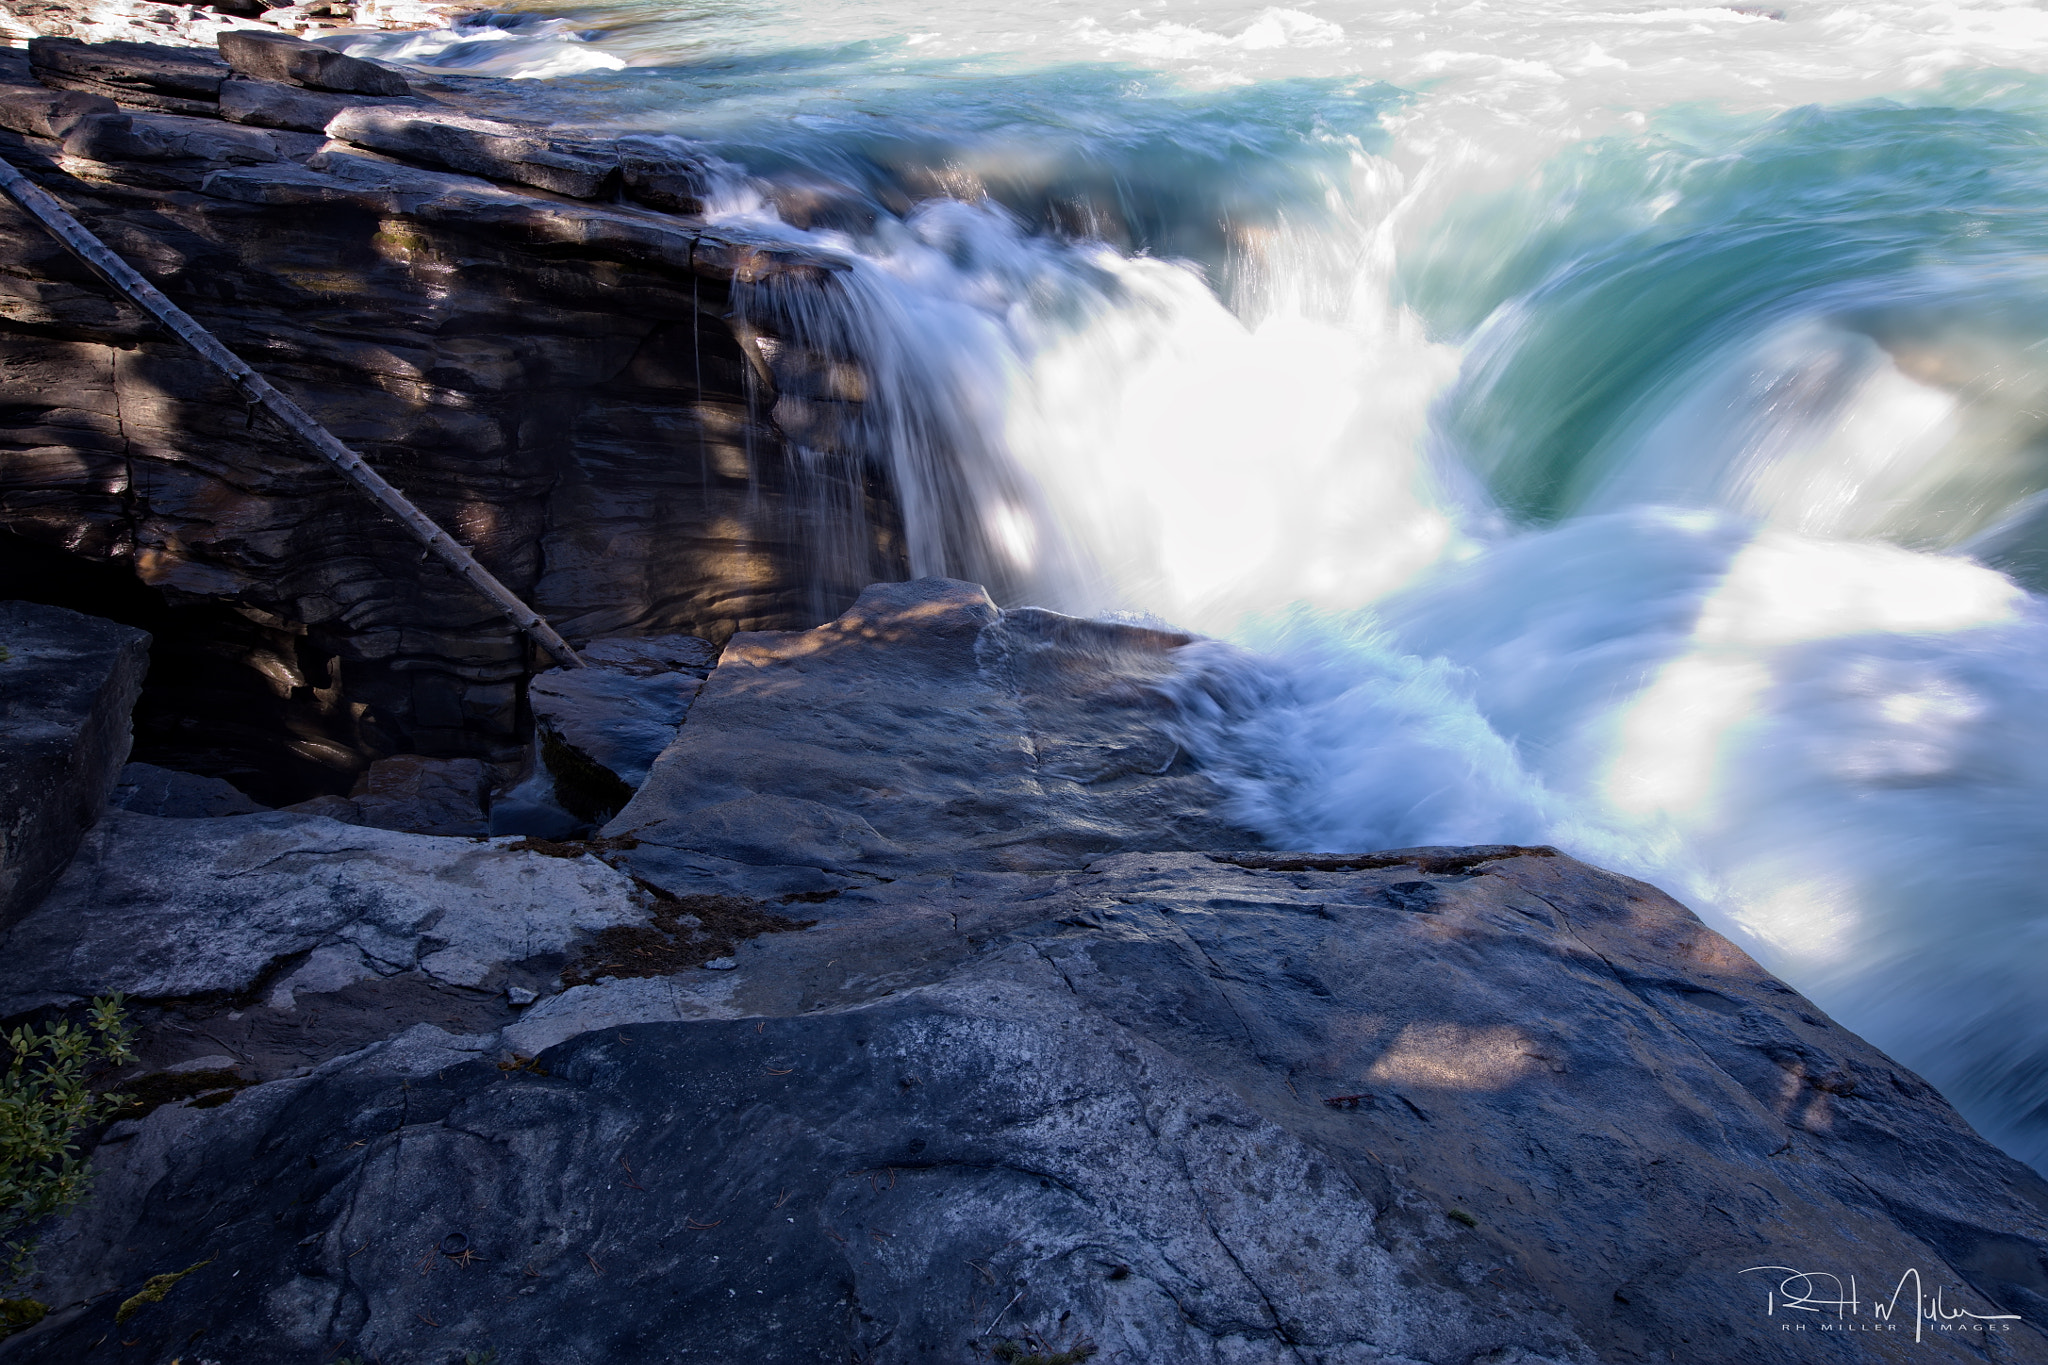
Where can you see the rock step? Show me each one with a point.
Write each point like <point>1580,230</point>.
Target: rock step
<point>67,685</point>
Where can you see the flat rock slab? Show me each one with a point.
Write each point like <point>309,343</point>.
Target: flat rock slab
<point>176,80</point>
<point>925,728</point>
<point>67,685</point>
<point>1437,1105</point>
<point>281,57</point>
<point>230,908</point>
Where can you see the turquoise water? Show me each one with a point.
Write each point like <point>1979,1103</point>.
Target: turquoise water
<point>1622,427</point>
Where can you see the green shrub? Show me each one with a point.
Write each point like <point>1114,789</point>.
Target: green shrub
<point>45,1103</point>
<point>1036,1350</point>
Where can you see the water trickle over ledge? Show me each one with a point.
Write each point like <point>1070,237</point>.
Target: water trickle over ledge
<point>528,331</point>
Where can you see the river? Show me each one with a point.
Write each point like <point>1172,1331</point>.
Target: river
<point>1607,425</point>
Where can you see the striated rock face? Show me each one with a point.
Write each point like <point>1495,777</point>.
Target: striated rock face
<point>560,382</point>
<point>982,1078</point>
<point>67,684</point>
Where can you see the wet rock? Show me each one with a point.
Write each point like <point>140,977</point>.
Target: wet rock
<point>67,685</point>
<point>147,789</point>
<point>281,57</point>
<point>926,728</point>
<point>602,726</point>
<point>1189,1108</point>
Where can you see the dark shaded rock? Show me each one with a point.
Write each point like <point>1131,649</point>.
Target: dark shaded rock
<point>447,796</point>
<point>328,808</point>
<point>655,172</point>
<point>1091,1104</point>
<point>67,684</point>
<point>48,113</point>
<point>281,57</point>
<point>269,104</point>
<point>166,137</point>
<point>602,726</point>
<point>175,80</point>
<point>925,728</point>
<point>147,789</point>
<point>413,794</point>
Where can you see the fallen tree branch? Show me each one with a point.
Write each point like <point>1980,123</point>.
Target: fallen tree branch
<point>45,209</point>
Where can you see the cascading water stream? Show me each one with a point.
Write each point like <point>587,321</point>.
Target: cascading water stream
<point>1621,428</point>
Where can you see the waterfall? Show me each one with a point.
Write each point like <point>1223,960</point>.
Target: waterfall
<point>1615,428</point>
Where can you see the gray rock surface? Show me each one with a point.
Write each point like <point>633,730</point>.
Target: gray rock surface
<point>274,904</point>
<point>925,728</point>
<point>281,57</point>
<point>1437,1105</point>
<point>147,789</point>
<point>602,726</point>
<point>67,685</point>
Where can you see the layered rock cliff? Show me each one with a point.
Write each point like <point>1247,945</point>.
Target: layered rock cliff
<point>524,328</point>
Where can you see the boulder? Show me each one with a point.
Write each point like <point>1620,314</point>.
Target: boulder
<point>925,728</point>
<point>67,685</point>
<point>149,790</point>
<point>1433,1105</point>
<point>602,726</point>
<point>294,61</point>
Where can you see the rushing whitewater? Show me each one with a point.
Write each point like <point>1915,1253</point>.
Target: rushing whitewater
<point>1618,426</point>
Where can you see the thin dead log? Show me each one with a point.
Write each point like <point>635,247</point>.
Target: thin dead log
<point>41,206</point>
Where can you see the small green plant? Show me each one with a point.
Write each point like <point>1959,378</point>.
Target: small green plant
<point>45,1103</point>
<point>153,1290</point>
<point>484,1357</point>
<point>1032,1349</point>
